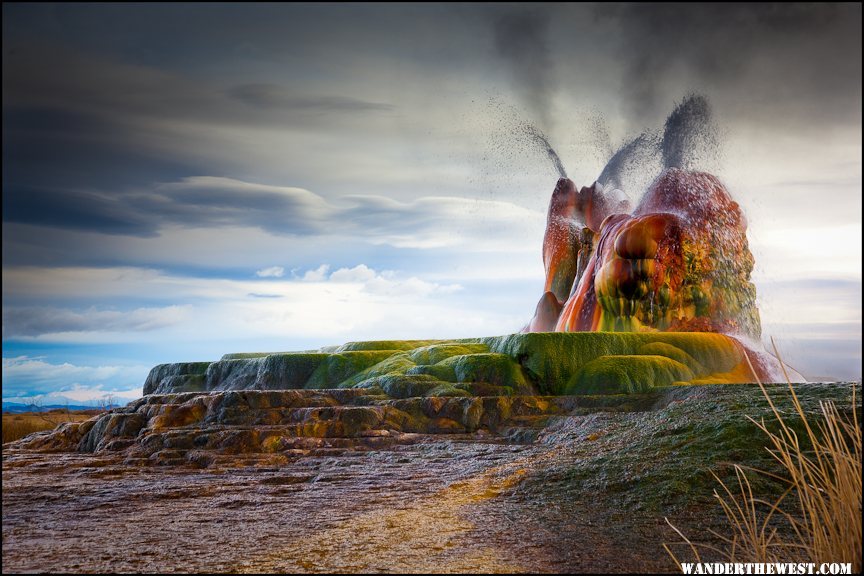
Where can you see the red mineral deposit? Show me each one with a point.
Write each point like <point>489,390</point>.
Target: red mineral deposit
<point>678,262</point>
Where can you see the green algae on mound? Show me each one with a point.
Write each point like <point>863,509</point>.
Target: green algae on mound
<point>341,366</point>
<point>495,369</point>
<point>627,374</point>
<point>675,353</point>
<point>524,364</point>
<point>402,345</point>
<point>552,359</point>
<point>436,353</point>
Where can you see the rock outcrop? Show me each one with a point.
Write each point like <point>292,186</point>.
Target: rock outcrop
<point>175,427</point>
<point>377,393</point>
<point>517,364</point>
<point>679,262</point>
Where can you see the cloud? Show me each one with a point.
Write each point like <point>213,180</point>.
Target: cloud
<point>214,202</point>
<point>357,298</point>
<point>388,284</point>
<point>35,321</point>
<point>317,275</point>
<point>773,58</point>
<point>360,274</point>
<point>828,251</point>
<point>273,96</point>
<point>26,376</point>
<point>75,209</point>
<point>521,38</point>
<point>271,272</point>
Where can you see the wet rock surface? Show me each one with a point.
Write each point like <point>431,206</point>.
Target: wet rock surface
<point>579,484</point>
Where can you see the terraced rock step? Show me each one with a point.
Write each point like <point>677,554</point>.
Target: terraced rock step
<point>522,364</point>
<point>172,428</point>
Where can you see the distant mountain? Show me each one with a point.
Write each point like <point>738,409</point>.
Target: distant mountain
<point>17,407</point>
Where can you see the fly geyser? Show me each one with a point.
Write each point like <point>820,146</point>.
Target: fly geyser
<point>597,419</point>
<point>679,262</point>
<point>640,298</point>
<point>676,262</point>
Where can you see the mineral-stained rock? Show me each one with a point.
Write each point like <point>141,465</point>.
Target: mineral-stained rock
<point>164,428</point>
<point>373,392</point>
<point>679,262</point>
<point>521,364</point>
<point>573,219</point>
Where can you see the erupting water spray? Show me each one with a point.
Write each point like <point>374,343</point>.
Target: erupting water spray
<point>677,262</point>
<point>539,139</point>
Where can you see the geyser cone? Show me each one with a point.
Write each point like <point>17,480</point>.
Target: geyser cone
<point>679,262</point>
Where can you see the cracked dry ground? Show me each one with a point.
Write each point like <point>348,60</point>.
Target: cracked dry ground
<point>585,493</point>
<point>434,504</point>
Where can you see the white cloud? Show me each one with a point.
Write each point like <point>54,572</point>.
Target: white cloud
<point>271,272</point>
<point>360,274</point>
<point>793,253</point>
<point>317,275</point>
<point>36,369</point>
<point>350,303</point>
<point>387,282</point>
<point>412,286</point>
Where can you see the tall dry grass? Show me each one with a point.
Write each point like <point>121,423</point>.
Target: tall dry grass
<point>17,426</point>
<point>822,475</point>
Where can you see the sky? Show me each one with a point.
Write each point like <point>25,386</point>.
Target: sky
<point>182,181</point>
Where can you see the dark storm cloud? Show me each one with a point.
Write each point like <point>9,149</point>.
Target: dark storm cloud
<point>194,203</point>
<point>212,202</point>
<point>521,38</point>
<point>73,209</point>
<point>81,120</point>
<point>807,56</point>
<point>93,91</point>
<point>53,147</point>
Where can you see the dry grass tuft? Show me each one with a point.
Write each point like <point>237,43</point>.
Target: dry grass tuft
<point>822,475</point>
<point>17,426</point>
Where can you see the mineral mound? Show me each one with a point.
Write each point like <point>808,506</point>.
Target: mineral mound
<point>374,393</point>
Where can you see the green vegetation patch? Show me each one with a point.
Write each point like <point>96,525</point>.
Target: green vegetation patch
<point>675,353</point>
<point>497,369</point>
<point>627,374</point>
<point>532,363</point>
<point>716,352</point>
<point>552,359</point>
<point>337,368</point>
<point>401,345</point>
<point>437,352</point>
<point>443,372</point>
<point>287,371</point>
<point>406,385</point>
